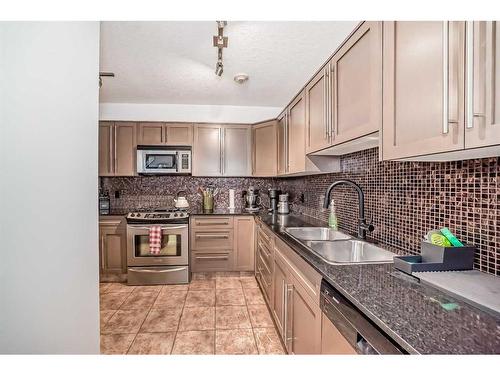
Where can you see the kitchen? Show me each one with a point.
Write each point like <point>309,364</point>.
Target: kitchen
<point>351,209</point>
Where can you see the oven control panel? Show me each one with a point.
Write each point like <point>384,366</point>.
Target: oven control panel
<point>157,216</point>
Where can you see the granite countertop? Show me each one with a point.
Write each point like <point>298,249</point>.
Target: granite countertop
<point>420,318</point>
<point>223,211</point>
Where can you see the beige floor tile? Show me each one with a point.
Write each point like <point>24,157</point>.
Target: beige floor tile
<point>259,316</point>
<point>202,284</point>
<point>120,288</point>
<point>229,297</point>
<point>162,320</point>
<point>112,301</point>
<point>116,344</point>
<point>103,287</point>
<point>152,343</point>
<point>249,282</point>
<point>235,341</point>
<point>254,296</point>
<point>105,315</point>
<point>170,299</point>
<point>125,321</point>
<point>229,317</point>
<point>244,274</point>
<point>148,288</point>
<point>197,319</point>
<point>228,283</point>
<point>200,298</point>
<point>203,276</point>
<point>227,274</point>
<point>268,341</point>
<point>175,287</point>
<point>194,342</point>
<point>141,300</point>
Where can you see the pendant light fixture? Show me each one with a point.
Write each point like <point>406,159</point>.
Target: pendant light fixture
<point>220,42</point>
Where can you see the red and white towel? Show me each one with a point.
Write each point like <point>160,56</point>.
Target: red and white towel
<point>154,239</point>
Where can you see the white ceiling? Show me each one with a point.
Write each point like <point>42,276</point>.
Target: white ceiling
<point>174,62</point>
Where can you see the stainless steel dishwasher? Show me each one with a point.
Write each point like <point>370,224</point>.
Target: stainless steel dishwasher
<point>345,330</point>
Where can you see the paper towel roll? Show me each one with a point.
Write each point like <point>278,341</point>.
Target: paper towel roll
<point>231,199</point>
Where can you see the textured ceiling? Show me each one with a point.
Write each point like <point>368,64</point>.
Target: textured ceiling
<point>174,62</point>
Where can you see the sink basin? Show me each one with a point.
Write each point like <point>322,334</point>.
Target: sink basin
<point>350,252</point>
<point>316,234</point>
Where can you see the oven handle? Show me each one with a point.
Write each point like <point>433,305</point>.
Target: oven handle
<point>160,271</point>
<point>162,228</point>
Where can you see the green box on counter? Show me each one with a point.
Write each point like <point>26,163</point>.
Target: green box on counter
<point>437,258</point>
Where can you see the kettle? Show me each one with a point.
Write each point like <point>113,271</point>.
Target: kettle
<point>181,201</point>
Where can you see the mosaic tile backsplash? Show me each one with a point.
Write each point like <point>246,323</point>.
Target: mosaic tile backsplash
<point>405,199</point>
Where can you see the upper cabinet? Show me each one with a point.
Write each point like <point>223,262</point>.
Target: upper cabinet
<point>282,135</point>
<point>159,133</point>
<point>117,149</point>
<point>423,88</point>
<point>222,150</point>
<point>356,85</point>
<point>482,111</point>
<point>265,149</point>
<point>296,135</point>
<point>344,100</point>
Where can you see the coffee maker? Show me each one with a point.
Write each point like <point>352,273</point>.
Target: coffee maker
<point>252,199</point>
<point>273,200</point>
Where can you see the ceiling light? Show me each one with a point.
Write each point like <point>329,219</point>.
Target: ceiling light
<point>220,42</point>
<point>241,78</point>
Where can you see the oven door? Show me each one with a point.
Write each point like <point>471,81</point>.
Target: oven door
<point>173,251</point>
<point>157,161</point>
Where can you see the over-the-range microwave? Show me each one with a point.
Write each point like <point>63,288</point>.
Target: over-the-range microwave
<point>163,159</point>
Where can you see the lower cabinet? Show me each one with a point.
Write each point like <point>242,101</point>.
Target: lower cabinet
<point>222,243</point>
<point>293,294</point>
<point>112,249</point>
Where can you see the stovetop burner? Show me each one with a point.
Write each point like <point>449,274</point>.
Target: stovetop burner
<point>159,215</point>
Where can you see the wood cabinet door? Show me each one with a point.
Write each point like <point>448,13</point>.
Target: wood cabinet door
<point>423,88</point>
<point>151,133</point>
<point>179,134</point>
<point>317,122</point>
<point>112,250</point>
<point>482,115</point>
<point>357,84</point>
<point>332,341</point>
<point>282,134</point>
<point>280,277</point>
<point>106,163</point>
<point>244,243</point>
<point>237,151</point>
<point>296,135</point>
<point>207,150</point>
<point>304,320</point>
<point>125,149</point>
<point>265,149</point>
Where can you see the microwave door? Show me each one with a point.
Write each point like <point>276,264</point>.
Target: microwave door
<point>156,162</point>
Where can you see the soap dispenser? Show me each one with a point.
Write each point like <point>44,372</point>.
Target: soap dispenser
<point>332,217</point>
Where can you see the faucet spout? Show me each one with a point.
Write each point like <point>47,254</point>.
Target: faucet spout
<point>363,226</point>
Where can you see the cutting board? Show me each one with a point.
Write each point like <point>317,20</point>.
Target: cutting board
<point>477,288</point>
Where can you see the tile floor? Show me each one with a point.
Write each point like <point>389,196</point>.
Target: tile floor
<point>217,313</point>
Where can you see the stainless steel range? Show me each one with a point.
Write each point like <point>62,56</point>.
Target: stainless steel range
<point>171,264</point>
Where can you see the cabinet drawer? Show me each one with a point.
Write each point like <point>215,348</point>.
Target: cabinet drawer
<point>218,222</point>
<point>266,254</point>
<point>264,236</point>
<point>265,278</point>
<point>211,261</point>
<point>212,239</point>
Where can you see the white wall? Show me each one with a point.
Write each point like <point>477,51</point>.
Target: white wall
<point>48,171</point>
<point>186,113</point>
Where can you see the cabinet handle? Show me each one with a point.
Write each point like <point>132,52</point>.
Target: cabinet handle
<point>115,158</point>
<point>221,236</point>
<point>469,61</point>
<point>111,151</point>
<point>214,257</point>
<point>332,102</point>
<point>446,126</point>
<point>289,300</point>
<point>209,223</point>
<point>284,308</point>
<point>102,252</point>
<point>325,101</point>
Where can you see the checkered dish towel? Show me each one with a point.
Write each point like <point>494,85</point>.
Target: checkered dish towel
<point>154,239</point>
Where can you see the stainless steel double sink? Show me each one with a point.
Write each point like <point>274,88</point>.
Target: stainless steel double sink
<point>335,247</point>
